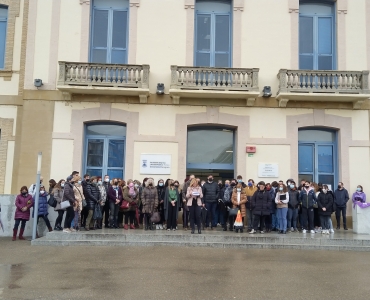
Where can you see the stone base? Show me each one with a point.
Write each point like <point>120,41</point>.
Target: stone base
<point>361,220</point>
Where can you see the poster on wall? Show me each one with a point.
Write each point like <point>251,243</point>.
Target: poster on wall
<point>268,170</point>
<point>155,164</point>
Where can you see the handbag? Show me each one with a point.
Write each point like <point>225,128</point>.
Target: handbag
<point>97,212</point>
<point>65,204</point>
<point>52,201</point>
<point>125,204</point>
<point>233,212</point>
<point>155,218</point>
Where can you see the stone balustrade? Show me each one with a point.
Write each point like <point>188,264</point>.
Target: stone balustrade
<point>103,75</point>
<point>311,81</point>
<point>218,79</point>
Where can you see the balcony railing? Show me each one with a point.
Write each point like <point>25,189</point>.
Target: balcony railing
<point>217,79</point>
<point>103,75</point>
<point>337,82</point>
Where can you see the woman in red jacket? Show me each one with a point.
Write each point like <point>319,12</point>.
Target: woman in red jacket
<point>23,202</point>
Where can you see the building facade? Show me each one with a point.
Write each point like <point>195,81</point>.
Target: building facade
<point>263,88</point>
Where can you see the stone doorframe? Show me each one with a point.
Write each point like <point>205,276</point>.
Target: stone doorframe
<point>6,135</point>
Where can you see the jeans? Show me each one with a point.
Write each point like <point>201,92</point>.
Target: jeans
<point>171,217</point>
<point>250,217</point>
<point>46,219</point>
<point>324,220</point>
<point>89,219</point>
<point>307,218</point>
<point>17,221</point>
<point>342,210</point>
<point>258,220</point>
<point>274,221</point>
<point>282,212</point>
<point>59,219</point>
<point>113,217</point>
<point>185,216</point>
<point>211,214</point>
<point>69,217</point>
<point>292,217</point>
<point>194,211</point>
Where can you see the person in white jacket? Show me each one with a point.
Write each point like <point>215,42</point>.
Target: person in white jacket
<point>32,188</point>
<point>281,200</point>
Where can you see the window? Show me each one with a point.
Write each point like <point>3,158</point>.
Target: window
<point>109,34</point>
<point>213,34</point>
<point>3,26</point>
<point>317,36</point>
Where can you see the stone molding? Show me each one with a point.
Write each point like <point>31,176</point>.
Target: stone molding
<point>135,3</point>
<point>87,2</point>
<point>6,135</point>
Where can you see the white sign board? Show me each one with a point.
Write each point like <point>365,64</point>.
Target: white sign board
<point>268,170</point>
<point>155,164</point>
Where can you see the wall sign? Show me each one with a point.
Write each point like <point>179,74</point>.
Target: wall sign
<point>268,170</point>
<point>155,164</point>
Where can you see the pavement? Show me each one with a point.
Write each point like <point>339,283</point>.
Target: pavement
<point>42,272</point>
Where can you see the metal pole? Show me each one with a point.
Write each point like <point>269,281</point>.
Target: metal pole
<point>37,189</point>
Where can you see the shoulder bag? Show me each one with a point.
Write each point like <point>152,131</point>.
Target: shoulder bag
<point>52,201</point>
<point>233,212</point>
<point>64,204</point>
<point>84,203</point>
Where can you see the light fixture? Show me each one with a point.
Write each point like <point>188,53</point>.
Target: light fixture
<point>37,83</point>
<point>160,89</point>
<point>266,91</point>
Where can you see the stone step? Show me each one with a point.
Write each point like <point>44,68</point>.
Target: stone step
<point>251,245</point>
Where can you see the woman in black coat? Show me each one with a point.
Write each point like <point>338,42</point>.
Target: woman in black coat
<point>261,203</point>
<point>325,202</point>
<point>92,197</point>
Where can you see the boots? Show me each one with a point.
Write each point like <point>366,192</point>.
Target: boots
<point>125,227</point>
<point>21,234</point>
<point>146,223</point>
<point>15,231</point>
<point>50,229</point>
<point>132,226</point>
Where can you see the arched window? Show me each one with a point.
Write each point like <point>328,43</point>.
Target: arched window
<point>3,27</point>
<point>105,149</point>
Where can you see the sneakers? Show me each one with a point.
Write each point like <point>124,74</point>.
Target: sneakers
<point>67,230</point>
<point>312,231</point>
<point>168,229</point>
<point>157,227</point>
<point>262,232</point>
<point>304,231</point>
<point>160,226</point>
<point>331,230</point>
<point>72,229</point>
<point>291,229</point>
<point>252,231</point>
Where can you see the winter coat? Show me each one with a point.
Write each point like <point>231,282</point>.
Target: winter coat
<point>293,199</point>
<point>210,192</point>
<point>241,204</point>
<point>261,203</point>
<point>228,192</point>
<point>69,194</point>
<point>134,201</point>
<point>189,195</point>
<point>341,197</point>
<point>359,196</point>
<point>106,186</point>
<point>103,194</point>
<point>167,203</point>
<point>43,205</point>
<point>325,200</point>
<point>249,191</point>
<point>285,202</point>
<point>150,200</point>
<point>58,195</point>
<point>273,204</point>
<point>185,189</point>
<point>307,198</point>
<point>93,195</point>
<point>112,195</point>
<point>20,202</point>
<point>79,196</point>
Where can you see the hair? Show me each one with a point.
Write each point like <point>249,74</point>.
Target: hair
<point>194,180</point>
<point>362,189</point>
<point>240,186</point>
<point>93,178</point>
<point>340,182</point>
<point>159,181</point>
<point>274,184</point>
<point>137,182</point>
<point>52,183</point>
<point>42,187</point>
<point>325,186</point>
<point>58,185</point>
<point>99,178</point>
<point>106,176</point>
<point>167,183</point>
<point>86,175</point>
<point>176,181</point>
<point>24,188</point>
<point>78,178</point>
<point>284,187</point>
<point>121,183</point>
<point>148,181</point>
<point>75,172</point>
<point>239,177</point>
<point>268,184</point>
<point>129,181</point>
<point>197,179</point>
<point>251,180</point>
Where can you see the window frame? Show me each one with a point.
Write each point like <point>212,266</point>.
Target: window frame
<point>6,20</point>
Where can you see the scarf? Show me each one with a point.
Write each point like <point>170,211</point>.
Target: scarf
<point>131,190</point>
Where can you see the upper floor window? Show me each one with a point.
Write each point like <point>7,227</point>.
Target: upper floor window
<point>3,26</point>
<point>213,33</point>
<point>317,35</point>
<point>109,31</point>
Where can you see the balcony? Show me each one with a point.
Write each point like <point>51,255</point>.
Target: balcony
<point>103,79</point>
<point>212,83</point>
<point>333,86</point>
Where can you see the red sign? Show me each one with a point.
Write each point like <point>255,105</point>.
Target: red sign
<point>251,149</point>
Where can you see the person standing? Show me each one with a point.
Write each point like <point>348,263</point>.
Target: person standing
<point>359,195</point>
<point>85,211</point>
<point>325,202</point>
<point>69,195</point>
<point>194,196</point>
<point>171,203</point>
<point>161,197</point>
<point>23,203</point>
<point>103,199</point>
<point>42,208</point>
<point>250,190</point>
<point>185,208</point>
<point>52,184</point>
<point>281,200</point>
<point>131,195</point>
<point>261,203</point>
<point>58,196</point>
<point>92,199</point>
<point>341,198</point>
<point>115,198</point>
<point>79,196</point>
<point>268,219</point>
<point>150,202</point>
<point>210,195</point>
<point>225,203</point>
<point>238,199</point>
<point>32,189</point>
<point>307,199</point>
<point>293,207</point>
<point>106,185</point>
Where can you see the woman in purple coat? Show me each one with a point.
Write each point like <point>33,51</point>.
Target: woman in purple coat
<point>23,202</point>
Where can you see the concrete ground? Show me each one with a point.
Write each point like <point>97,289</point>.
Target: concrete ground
<point>179,273</point>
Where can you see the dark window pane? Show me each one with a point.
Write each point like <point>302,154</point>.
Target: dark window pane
<point>306,62</point>
<point>203,33</point>
<point>99,56</point>
<point>222,60</point>
<point>94,172</point>
<point>305,158</point>
<point>95,149</point>
<point>222,34</point>
<point>307,177</point>
<point>119,35</point>
<point>100,29</point>
<point>2,43</point>
<point>327,179</point>
<point>309,135</point>
<point>118,57</point>
<point>325,35</point>
<point>325,159</point>
<point>116,153</point>
<point>325,63</point>
<point>305,35</point>
<point>115,173</point>
<point>203,60</point>
<point>107,129</point>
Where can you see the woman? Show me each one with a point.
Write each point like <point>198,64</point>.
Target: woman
<point>261,203</point>
<point>92,199</point>
<point>115,199</point>
<point>150,202</point>
<point>281,200</point>
<point>268,219</point>
<point>171,204</point>
<point>131,195</point>
<point>325,203</point>
<point>238,200</point>
<point>359,195</point>
<point>58,195</point>
<point>23,203</point>
<point>194,196</point>
<point>42,210</point>
<point>52,184</point>
<point>103,199</point>
<point>293,207</point>
<point>307,199</point>
<point>161,195</point>
<point>121,184</point>
<point>77,206</point>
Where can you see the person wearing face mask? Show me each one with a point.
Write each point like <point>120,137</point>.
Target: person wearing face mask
<point>69,196</point>
<point>93,198</point>
<point>250,190</point>
<point>274,219</point>
<point>42,209</point>
<point>210,195</point>
<point>194,196</point>
<point>106,184</point>
<point>23,203</point>
<point>32,188</point>
<point>103,200</point>
<point>161,196</point>
<point>58,195</point>
<point>185,208</point>
<point>261,203</point>
<point>225,202</point>
<point>268,219</point>
<point>220,205</point>
<point>307,199</point>
<point>131,195</point>
<point>115,198</point>
<point>77,206</point>
<point>341,198</point>
<point>325,202</point>
<point>238,200</point>
<point>293,207</point>
<point>150,202</point>
<point>171,203</point>
<point>359,195</point>
<point>281,200</point>
<point>85,211</point>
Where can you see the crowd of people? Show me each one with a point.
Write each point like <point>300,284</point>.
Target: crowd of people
<point>90,203</point>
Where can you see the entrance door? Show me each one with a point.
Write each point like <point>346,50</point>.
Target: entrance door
<point>104,154</point>
<point>317,156</point>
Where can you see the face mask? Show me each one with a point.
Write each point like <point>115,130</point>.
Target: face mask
<point>24,193</point>
<point>79,182</point>
<point>250,184</point>
<point>280,188</point>
<point>227,185</point>
<point>161,184</point>
<point>116,182</point>
<point>220,184</point>
<point>238,189</point>
<point>358,189</point>
<point>151,184</point>
<point>106,179</point>
<point>307,186</point>
<point>42,192</point>
<point>62,184</point>
<point>176,185</point>
<point>292,186</point>
<point>324,191</point>
<point>87,180</point>
<point>100,183</point>
<point>136,185</point>
<point>233,184</point>
<point>210,179</point>
<point>240,181</point>
<point>268,188</point>
<point>339,186</point>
